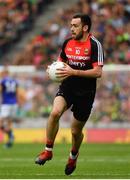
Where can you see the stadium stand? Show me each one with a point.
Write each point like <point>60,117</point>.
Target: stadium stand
<point>16,18</point>
<point>111,26</point>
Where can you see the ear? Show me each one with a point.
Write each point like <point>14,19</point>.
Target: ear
<point>85,28</point>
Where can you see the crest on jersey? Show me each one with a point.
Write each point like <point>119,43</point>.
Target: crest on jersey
<point>86,51</point>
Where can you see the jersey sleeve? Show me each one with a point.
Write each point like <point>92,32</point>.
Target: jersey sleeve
<point>62,56</point>
<point>97,54</point>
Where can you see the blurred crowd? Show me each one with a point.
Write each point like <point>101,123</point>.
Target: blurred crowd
<point>112,102</point>
<point>113,98</point>
<point>111,26</point>
<point>16,18</point>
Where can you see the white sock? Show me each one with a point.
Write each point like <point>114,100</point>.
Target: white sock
<point>48,149</point>
<point>73,156</point>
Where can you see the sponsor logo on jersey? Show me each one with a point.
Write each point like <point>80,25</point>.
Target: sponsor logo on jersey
<point>79,64</point>
<point>86,51</point>
<point>82,58</point>
<point>77,47</point>
<point>69,49</point>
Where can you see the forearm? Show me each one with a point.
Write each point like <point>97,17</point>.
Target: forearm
<point>67,71</point>
<point>94,73</point>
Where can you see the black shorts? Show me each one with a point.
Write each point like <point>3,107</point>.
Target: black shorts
<point>81,104</point>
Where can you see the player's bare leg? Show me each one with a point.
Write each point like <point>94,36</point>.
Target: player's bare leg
<point>77,138</point>
<point>59,107</point>
<point>9,131</point>
<point>6,127</point>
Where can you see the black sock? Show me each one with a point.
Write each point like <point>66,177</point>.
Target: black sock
<point>74,151</point>
<point>49,144</point>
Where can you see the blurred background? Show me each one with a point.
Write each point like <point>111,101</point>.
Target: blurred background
<point>37,29</point>
<point>31,36</point>
<point>110,112</point>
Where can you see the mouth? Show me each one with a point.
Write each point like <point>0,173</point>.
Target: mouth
<point>73,34</point>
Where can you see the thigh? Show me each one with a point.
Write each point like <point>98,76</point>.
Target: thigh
<point>82,106</point>
<point>66,94</point>
<point>59,104</point>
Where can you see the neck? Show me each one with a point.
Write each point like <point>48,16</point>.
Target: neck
<point>84,38</point>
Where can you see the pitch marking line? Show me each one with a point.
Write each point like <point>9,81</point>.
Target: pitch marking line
<point>86,174</point>
<point>62,160</point>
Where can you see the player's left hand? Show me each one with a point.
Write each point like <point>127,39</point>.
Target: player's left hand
<point>47,70</point>
<point>65,72</point>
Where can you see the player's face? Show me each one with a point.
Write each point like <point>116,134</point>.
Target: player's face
<point>76,29</point>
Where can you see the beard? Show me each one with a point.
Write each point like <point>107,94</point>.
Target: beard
<point>79,36</point>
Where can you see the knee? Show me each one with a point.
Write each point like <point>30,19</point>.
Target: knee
<point>56,114</point>
<point>76,133</point>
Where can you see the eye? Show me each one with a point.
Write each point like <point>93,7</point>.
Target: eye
<point>75,25</point>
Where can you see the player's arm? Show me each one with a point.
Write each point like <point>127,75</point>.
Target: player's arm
<point>96,72</point>
<point>21,95</point>
<point>97,57</point>
<point>62,56</point>
<point>67,71</point>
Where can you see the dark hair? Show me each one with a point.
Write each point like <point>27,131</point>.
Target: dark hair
<point>85,19</point>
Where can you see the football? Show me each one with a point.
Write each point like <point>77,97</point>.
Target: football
<point>52,71</point>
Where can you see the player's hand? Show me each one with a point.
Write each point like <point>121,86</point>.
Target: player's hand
<point>65,72</point>
<point>47,70</point>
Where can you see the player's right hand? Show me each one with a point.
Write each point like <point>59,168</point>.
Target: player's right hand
<point>47,70</point>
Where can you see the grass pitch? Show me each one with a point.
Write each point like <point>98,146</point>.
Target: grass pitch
<point>96,161</point>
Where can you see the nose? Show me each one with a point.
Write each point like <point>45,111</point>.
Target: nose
<point>72,28</point>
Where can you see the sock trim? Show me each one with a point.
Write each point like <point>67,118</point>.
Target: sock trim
<point>48,149</point>
<point>73,156</point>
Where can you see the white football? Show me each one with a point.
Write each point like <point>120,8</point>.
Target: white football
<point>53,69</point>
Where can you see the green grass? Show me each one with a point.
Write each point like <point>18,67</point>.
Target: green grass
<point>96,161</point>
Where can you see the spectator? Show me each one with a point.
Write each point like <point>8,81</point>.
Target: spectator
<point>17,17</point>
<point>111,26</point>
